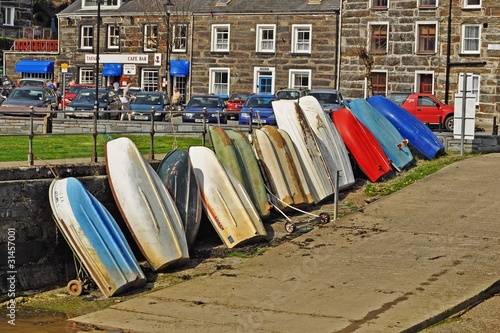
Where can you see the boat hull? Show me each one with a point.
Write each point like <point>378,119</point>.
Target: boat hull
<point>145,204</point>
<point>329,141</point>
<point>94,237</point>
<point>364,147</point>
<point>252,176</point>
<point>228,207</point>
<point>291,118</point>
<point>176,173</point>
<point>419,135</point>
<point>271,166</point>
<point>390,139</point>
<point>292,179</point>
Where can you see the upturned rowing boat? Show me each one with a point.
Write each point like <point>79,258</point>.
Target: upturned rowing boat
<point>145,204</point>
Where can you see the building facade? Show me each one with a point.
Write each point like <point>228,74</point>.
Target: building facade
<point>216,46</point>
<point>422,46</point>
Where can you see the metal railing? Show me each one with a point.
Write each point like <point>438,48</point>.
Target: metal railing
<point>48,118</point>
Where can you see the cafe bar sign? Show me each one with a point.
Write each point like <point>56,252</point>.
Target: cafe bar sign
<point>117,58</point>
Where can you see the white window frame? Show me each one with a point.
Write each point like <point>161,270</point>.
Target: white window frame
<point>464,39</point>
<point>219,87</point>
<point>219,43</point>
<point>297,29</point>
<point>107,4</point>
<point>86,37</point>
<point>474,81</point>
<point>149,39</point>
<point>292,75</point>
<point>86,75</point>
<point>386,72</point>
<point>473,6</point>
<point>180,33</point>
<point>9,15</point>
<point>417,35</point>
<point>369,41</point>
<point>113,35</point>
<point>261,42</point>
<point>150,79</point>
<point>416,84</point>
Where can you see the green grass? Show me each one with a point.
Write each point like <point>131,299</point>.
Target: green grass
<point>422,169</point>
<point>16,148</point>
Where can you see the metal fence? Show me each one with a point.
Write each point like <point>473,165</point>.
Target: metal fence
<point>98,127</point>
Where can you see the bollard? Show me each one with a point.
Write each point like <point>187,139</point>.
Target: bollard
<point>495,127</point>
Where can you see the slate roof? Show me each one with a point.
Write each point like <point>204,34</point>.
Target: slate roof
<point>204,7</point>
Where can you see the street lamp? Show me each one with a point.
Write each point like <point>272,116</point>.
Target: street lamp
<point>168,9</point>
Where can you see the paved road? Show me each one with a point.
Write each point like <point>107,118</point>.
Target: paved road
<point>403,263</point>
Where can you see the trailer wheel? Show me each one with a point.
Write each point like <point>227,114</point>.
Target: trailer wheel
<point>290,227</point>
<point>74,287</point>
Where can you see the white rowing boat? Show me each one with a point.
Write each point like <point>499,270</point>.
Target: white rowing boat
<point>145,204</point>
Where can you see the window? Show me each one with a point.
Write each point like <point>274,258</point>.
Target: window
<point>379,83</point>
<point>299,78</point>
<point>378,37</point>
<point>180,38</point>
<point>8,14</point>
<point>91,4</point>
<point>301,38</point>
<point>149,81</point>
<point>113,37</point>
<point>472,4</point>
<point>427,3</point>
<point>473,81</point>
<point>86,37</point>
<point>150,37</point>
<point>220,38</point>
<point>266,38</point>
<point>379,4</point>
<point>426,37</point>
<point>86,75</point>
<point>471,38</point>
<point>219,81</point>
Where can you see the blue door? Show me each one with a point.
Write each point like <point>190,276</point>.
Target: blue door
<point>265,84</point>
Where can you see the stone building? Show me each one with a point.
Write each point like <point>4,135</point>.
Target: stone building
<point>422,46</point>
<point>215,46</point>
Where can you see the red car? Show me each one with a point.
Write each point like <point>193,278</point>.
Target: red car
<point>71,93</point>
<point>235,103</point>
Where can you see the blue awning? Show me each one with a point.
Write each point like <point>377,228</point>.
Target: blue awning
<point>34,66</point>
<point>112,70</point>
<point>179,67</point>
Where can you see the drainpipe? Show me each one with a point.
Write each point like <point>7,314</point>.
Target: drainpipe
<point>448,52</point>
<point>339,38</point>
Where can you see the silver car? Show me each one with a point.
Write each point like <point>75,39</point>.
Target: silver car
<point>330,99</point>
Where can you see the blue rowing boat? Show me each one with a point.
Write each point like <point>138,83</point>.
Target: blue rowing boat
<point>95,238</point>
<point>392,142</point>
<point>419,135</point>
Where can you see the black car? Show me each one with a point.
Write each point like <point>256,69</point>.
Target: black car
<point>82,106</point>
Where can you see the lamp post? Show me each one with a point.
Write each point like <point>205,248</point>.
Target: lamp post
<point>96,101</point>
<point>168,9</point>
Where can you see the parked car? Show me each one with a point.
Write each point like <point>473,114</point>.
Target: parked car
<point>426,107</point>
<point>145,101</point>
<point>70,94</point>
<point>214,105</point>
<point>261,108</point>
<point>291,93</point>
<point>34,82</point>
<point>235,103</point>
<point>330,99</point>
<point>82,105</point>
<point>24,97</point>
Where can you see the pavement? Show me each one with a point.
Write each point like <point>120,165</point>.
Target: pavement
<point>401,264</point>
